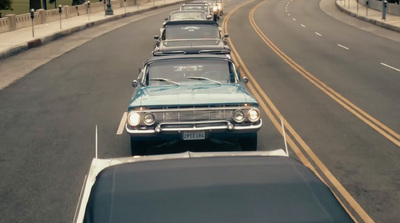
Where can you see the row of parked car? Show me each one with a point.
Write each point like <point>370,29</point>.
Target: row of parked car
<point>190,89</point>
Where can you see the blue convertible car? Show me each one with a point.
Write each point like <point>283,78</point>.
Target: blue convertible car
<point>192,97</point>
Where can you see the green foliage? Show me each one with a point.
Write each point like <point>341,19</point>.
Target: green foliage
<point>6,5</point>
<point>22,6</point>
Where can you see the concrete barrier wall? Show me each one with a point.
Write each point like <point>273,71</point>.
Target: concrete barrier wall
<point>13,22</point>
<point>393,9</point>
<point>5,24</point>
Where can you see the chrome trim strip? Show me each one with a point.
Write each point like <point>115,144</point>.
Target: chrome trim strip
<point>248,127</point>
<point>194,128</point>
<point>194,109</point>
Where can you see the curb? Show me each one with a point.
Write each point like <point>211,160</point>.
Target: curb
<point>46,39</point>
<point>372,21</point>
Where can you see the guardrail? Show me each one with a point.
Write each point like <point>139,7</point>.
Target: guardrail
<point>12,22</point>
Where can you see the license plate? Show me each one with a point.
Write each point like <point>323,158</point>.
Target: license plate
<point>194,135</point>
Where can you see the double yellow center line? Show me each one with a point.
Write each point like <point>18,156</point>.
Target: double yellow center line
<point>293,138</point>
<point>358,112</point>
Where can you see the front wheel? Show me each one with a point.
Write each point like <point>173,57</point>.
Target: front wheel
<point>137,148</point>
<point>249,143</point>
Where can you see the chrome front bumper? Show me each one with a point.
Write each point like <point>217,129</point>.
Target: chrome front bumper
<point>194,126</point>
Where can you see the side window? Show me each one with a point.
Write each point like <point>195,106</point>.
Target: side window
<point>239,76</point>
<point>146,77</point>
<point>163,35</point>
<point>232,73</point>
<point>142,78</point>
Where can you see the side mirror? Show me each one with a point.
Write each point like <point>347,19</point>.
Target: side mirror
<point>134,83</point>
<point>156,37</point>
<point>226,35</point>
<point>245,80</point>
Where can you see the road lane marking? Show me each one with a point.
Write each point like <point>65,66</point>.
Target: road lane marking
<point>396,69</point>
<point>122,124</point>
<point>294,19</point>
<point>318,34</point>
<point>288,14</point>
<point>294,147</point>
<point>303,26</point>
<point>358,112</point>
<point>346,48</point>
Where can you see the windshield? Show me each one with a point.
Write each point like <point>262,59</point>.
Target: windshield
<point>189,71</point>
<point>191,31</point>
<point>186,15</point>
<point>195,7</point>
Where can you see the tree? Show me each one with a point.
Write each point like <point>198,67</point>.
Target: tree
<point>34,4</point>
<point>76,2</point>
<point>6,5</point>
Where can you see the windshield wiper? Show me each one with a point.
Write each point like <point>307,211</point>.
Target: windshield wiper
<point>165,80</point>
<point>204,78</point>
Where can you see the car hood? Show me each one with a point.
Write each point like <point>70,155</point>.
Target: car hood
<point>205,94</point>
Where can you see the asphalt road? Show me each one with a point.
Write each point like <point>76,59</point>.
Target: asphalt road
<point>48,117</point>
<point>364,161</point>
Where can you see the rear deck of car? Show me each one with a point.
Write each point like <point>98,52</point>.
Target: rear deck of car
<point>213,189</point>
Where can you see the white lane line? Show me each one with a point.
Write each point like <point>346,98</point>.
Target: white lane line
<point>288,14</point>
<point>303,26</point>
<point>318,34</point>
<point>346,48</point>
<point>122,124</point>
<point>294,19</point>
<point>285,10</point>
<point>396,69</point>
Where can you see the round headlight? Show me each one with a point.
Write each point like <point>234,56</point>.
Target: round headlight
<point>219,7</point>
<point>215,8</point>
<point>253,115</point>
<point>134,118</point>
<point>238,116</point>
<point>149,119</point>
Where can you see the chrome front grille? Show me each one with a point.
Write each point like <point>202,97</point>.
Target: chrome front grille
<point>186,114</point>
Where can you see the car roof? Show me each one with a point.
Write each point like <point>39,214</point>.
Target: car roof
<point>188,56</point>
<point>212,189</point>
<point>185,22</point>
<point>195,3</point>
<point>192,49</point>
<point>188,11</point>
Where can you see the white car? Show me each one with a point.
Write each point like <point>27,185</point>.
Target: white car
<point>206,187</point>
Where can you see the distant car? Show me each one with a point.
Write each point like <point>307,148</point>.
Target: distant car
<point>204,6</point>
<point>221,6</point>
<point>188,15</point>
<point>217,6</point>
<point>192,97</point>
<point>232,187</point>
<point>190,37</point>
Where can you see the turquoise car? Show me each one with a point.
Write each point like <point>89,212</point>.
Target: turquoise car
<point>192,97</point>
